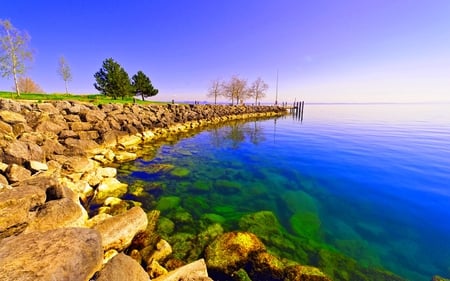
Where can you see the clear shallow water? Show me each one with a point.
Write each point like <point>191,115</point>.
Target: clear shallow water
<point>374,180</point>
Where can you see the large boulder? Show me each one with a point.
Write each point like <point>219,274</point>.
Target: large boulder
<point>305,273</point>
<point>110,187</point>
<point>118,232</point>
<point>17,206</point>
<point>230,251</point>
<point>72,254</point>
<point>59,213</point>
<point>122,268</point>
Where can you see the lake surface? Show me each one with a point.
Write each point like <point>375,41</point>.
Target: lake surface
<point>369,180</point>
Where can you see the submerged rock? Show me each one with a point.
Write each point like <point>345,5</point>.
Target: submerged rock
<point>180,172</point>
<point>305,273</point>
<point>195,271</point>
<point>230,251</point>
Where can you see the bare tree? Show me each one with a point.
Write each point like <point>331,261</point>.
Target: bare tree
<point>27,85</point>
<point>258,89</point>
<point>64,71</point>
<point>14,52</point>
<point>235,89</point>
<point>215,90</point>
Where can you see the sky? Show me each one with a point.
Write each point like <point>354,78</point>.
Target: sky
<point>323,50</point>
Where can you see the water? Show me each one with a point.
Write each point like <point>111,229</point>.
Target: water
<point>369,181</point>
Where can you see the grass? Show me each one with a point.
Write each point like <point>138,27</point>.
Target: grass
<point>94,99</point>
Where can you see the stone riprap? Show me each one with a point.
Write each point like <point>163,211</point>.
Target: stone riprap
<point>53,163</point>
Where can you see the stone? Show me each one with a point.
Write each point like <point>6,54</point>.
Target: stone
<point>47,107</point>
<point>439,278</point>
<point>50,126</point>
<point>129,140</point>
<point>304,273</point>
<point>124,156</point>
<point>3,180</point>
<point>59,213</point>
<point>88,135</point>
<point>37,166</point>
<point>162,251</point>
<point>122,268</point>
<point>16,204</point>
<point>6,129</point>
<point>50,146</point>
<point>106,172</point>
<point>80,126</point>
<point>11,117</point>
<point>72,254</point>
<point>110,187</point>
<point>154,269</point>
<point>16,173</point>
<point>266,266</point>
<point>92,116</point>
<point>117,232</point>
<point>230,251</point>
<point>89,147</point>
<point>195,271</point>
<point>78,164</point>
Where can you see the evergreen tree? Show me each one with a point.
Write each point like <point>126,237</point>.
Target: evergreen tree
<point>112,80</point>
<point>143,86</point>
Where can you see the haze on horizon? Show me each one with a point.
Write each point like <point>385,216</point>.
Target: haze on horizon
<point>324,50</point>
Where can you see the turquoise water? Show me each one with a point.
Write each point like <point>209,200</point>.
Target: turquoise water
<point>371,181</point>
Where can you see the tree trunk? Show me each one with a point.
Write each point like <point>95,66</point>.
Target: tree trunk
<point>67,91</point>
<point>143,98</point>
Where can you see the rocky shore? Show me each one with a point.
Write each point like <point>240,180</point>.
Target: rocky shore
<point>55,160</point>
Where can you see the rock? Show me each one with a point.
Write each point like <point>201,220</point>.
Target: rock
<point>16,173</point>
<point>92,116</point>
<point>6,129</point>
<point>124,156</point>
<point>180,172</point>
<point>50,126</point>
<point>78,164</point>
<point>106,172</point>
<point>304,273</point>
<point>266,267</point>
<point>110,187</point>
<point>162,251</point>
<point>3,180</point>
<point>37,166</point>
<point>58,214</point>
<point>195,271</point>
<point>16,204</point>
<point>129,140</point>
<point>18,152</point>
<point>122,268</point>
<point>80,126</point>
<point>230,251</point>
<point>11,117</point>
<point>227,187</point>
<point>167,203</point>
<point>154,269</point>
<point>72,254</point>
<point>117,232</point>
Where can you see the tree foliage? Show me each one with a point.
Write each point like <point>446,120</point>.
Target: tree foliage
<point>28,86</point>
<point>112,80</point>
<point>143,86</point>
<point>14,52</point>
<point>64,71</point>
<point>258,89</point>
<point>215,90</point>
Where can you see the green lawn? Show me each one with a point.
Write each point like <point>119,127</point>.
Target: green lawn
<point>95,99</point>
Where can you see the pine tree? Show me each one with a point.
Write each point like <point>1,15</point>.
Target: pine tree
<point>143,86</point>
<point>112,80</point>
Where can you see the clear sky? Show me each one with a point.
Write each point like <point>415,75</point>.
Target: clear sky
<point>324,50</point>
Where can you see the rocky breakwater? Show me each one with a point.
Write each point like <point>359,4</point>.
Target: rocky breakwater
<point>54,161</point>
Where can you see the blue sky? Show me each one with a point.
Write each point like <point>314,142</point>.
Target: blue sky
<point>324,50</point>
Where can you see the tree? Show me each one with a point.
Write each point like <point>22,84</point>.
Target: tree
<point>112,80</point>
<point>15,52</point>
<point>235,89</point>
<point>29,86</point>
<point>258,89</point>
<point>143,86</point>
<point>64,71</point>
<point>215,90</point>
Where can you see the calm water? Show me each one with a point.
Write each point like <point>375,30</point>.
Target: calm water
<point>373,181</point>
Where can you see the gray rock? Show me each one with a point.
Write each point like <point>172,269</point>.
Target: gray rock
<point>122,268</point>
<point>71,254</point>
